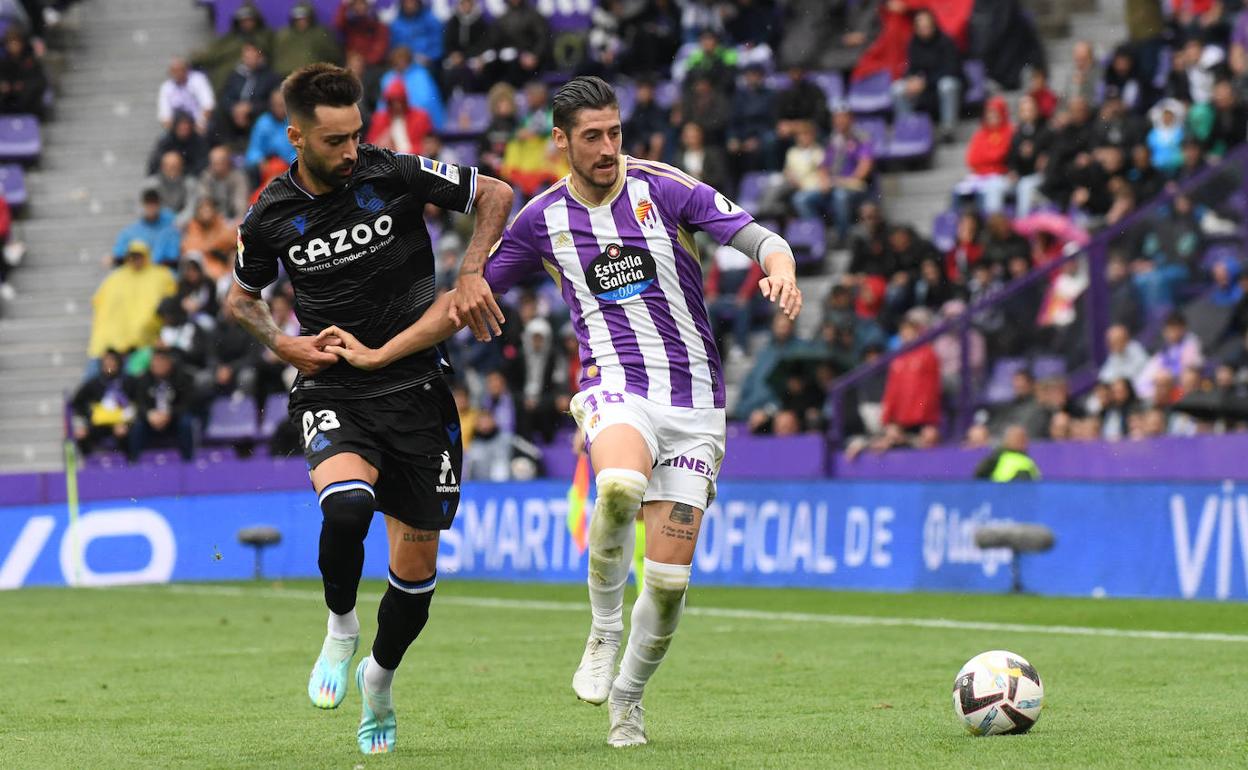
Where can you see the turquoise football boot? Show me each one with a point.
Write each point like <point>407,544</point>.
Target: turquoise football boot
<point>328,684</point>
<point>377,723</point>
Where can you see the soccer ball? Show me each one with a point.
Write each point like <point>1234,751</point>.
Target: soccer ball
<point>998,693</point>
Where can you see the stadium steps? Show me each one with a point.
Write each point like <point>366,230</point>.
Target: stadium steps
<point>83,191</point>
<point>916,197</point>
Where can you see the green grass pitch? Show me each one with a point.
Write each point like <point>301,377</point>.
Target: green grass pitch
<point>211,676</point>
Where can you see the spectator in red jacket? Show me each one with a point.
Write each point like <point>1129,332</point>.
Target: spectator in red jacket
<point>397,126</point>
<point>986,157</point>
<point>911,405</point>
<point>362,32</point>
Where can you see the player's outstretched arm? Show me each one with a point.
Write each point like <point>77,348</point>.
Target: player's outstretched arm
<point>252,312</point>
<point>433,326</point>
<point>474,304</point>
<point>776,256</point>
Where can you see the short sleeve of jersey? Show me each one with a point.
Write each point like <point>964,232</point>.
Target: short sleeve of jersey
<point>514,257</point>
<point>712,212</point>
<point>448,185</point>
<point>255,266</point>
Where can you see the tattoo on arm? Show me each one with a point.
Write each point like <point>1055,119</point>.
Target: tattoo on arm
<point>253,315</point>
<point>492,210</point>
<point>682,513</point>
<point>419,537</point>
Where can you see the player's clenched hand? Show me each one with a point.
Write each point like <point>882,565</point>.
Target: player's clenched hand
<point>474,304</point>
<point>305,354</point>
<point>783,289</point>
<point>346,346</point>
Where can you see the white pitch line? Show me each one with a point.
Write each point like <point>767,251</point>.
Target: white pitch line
<point>782,617</point>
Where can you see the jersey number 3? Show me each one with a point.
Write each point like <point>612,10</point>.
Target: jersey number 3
<point>328,421</point>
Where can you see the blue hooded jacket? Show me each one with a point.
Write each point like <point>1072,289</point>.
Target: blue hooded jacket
<point>420,32</point>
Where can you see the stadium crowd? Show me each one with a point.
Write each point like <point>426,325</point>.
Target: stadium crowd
<point>748,96</point>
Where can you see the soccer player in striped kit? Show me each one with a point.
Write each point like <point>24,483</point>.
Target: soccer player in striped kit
<point>616,235</point>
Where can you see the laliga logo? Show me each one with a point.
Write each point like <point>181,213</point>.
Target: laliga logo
<point>76,540</point>
<point>341,240</point>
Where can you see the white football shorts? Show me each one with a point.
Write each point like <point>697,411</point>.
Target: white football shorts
<point>686,444</point>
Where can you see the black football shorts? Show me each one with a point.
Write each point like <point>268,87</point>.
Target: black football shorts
<point>412,437</point>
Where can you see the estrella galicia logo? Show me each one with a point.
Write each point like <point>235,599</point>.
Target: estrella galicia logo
<point>367,199</point>
<point>621,272</point>
<point>319,443</point>
<point>300,222</point>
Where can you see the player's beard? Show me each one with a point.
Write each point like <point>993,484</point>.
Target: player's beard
<point>323,172</point>
<point>592,176</point>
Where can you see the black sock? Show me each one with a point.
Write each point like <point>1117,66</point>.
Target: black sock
<point>343,530</point>
<point>403,612</point>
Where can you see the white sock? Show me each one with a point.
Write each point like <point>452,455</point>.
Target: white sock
<point>376,678</point>
<point>655,617</point>
<point>344,626</point>
<point>611,533</point>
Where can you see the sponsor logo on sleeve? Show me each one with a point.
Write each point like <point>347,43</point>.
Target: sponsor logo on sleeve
<point>726,206</point>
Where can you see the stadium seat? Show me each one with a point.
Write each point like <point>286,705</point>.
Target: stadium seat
<point>913,137</point>
<point>1000,387</point>
<point>274,413</point>
<point>626,95</point>
<point>1048,367</point>
<point>465,152</point>
<point>467,114</point>
<point>753,183</point>
<point>945,230</point>
<point>976,82</point>
<point>1218,252</point>
<point>19,138</point>
<point>231,419</point>
<point>832,85</point>
<point>13,185</point>
<point>876,130</point>
<point>871,95</point>
<point>808,239</point>
<point>666,93</point>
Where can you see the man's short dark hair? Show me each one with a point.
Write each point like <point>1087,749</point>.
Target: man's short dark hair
<point>320,84</point>
<point>581,93</point>
<point>149,195</point>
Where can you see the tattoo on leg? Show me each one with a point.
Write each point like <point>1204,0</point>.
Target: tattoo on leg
<point>682,513</point>
<point>419,537</point>
<point>677,533</point>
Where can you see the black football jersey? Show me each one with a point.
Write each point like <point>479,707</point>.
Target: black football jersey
<point>359,257</point>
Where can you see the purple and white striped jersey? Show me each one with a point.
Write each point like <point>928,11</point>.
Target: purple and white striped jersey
<point>629,272</point>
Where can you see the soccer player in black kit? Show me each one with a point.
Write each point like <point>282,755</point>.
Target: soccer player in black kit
<point>346,222</point>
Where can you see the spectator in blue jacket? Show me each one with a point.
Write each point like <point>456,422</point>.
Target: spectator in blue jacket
<point>420,31</point>
<point>156,228</point>
<point>422,91</point>
<point>268,136</point>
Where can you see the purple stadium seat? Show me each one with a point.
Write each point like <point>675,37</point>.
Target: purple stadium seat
<point>808,239</point>
<point>19,138</point>
<point>666,93</point>
<point>832,85</point>
<point>274,414</point>
<point>465,153</point>
<point>1048,367</point>
<point>626,95</point>
<point>467,114</point>
<point>231,419</point>
<point>877,131</point>
<point>1000,387</point>
<point>13,185</point>
<point>912,137</point>
<point>753,183</point>
<point>1164,63</point>
<point>777,81</point>
<point>871,95</point>
<point>945,230</point>
<point>976,82</point>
